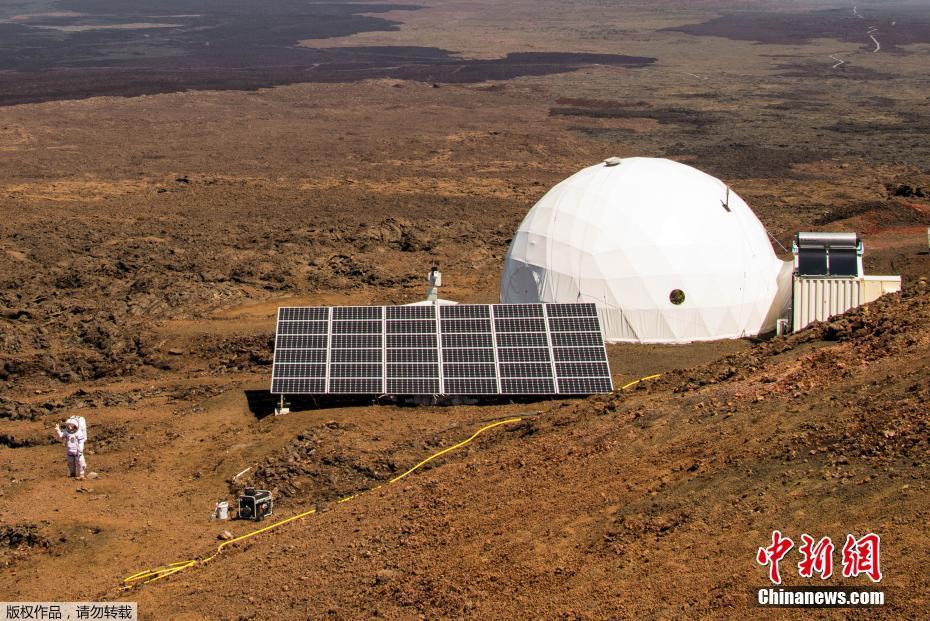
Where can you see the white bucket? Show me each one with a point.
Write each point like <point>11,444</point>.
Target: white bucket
<point>222,511</point>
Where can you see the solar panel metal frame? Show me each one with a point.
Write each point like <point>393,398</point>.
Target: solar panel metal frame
<point>532,349</point>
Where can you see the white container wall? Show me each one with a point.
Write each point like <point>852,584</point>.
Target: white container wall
<point>818,299</point>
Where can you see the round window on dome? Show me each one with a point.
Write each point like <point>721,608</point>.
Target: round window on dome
<point>676,297</point>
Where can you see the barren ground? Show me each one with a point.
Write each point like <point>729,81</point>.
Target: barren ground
<point>147,241</point>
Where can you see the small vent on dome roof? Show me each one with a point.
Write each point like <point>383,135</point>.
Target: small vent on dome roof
<point>612,161</point>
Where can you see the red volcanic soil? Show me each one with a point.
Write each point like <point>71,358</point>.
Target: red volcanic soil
<point>147,242</point>
<point>650,503</point>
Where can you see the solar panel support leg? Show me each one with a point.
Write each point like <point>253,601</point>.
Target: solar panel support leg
<point>282,408</point>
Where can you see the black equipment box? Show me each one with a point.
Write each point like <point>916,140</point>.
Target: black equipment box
<point>255,504</point>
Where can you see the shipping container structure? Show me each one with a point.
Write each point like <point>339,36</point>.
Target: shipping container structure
<point>819,298</point>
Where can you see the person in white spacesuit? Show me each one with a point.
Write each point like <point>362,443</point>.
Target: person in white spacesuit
<point>73,437</point>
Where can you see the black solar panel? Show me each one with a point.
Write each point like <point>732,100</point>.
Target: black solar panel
<point>413,387</point>
<point>574,324</point>
<point>467,340</point>
<point>413,370</point>
<point>298,386</point>
<point>520,325</point>
<point>577,339</point>
<point>524,354</point>
<point>411,312</point>
<point>527,386</point>
<point>305,313</point>
<point>526,369</point>
<point>569,354</point>
<point>413,355</point>
<point>357,355</point>
<point>585,385</point>
<point>301,370</point>
<point>346,386</point>
<point>461,386</point>
<point>467,355</point>
<point>465,311</point>
<point>415,341</point>
<point>469,370</point>
<point>356,341</point>
<point>465,325</point>
<point>812,262</point>
<point>300,355</point>
<point>357,327</point>
<point>420,326</point>
<point>581,369</point>
<point>519,349</point>
<point>370,371</point>
<point>356,312</point>
<point>300,341</point>
<point>585,309</point>
<point>844,262</point>
<point>518,310</point>
<point>302,327</point>
<point>537,339</point>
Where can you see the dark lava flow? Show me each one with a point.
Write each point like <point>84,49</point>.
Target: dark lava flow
<point>85,48</point>
<point>894,27</point>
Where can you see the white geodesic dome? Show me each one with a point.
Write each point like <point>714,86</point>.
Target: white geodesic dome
<point>637,235</point>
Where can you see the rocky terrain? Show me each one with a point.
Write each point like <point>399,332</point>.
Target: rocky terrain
<point>582,507</point>
<point>147,241</point>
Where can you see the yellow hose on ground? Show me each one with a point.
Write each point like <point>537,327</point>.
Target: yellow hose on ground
<point>151,575</point>
<point>642,379</point>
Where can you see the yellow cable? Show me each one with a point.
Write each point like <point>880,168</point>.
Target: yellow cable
<point>151,575</point>
<point>642,379</point>
<point>453,447</point>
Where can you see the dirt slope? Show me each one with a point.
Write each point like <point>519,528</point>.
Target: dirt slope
<point>649,503</point>
<point>146,243</point>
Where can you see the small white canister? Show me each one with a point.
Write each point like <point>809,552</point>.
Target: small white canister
<point>221,512</point>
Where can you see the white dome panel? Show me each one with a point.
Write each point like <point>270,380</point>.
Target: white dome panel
<point>626,236</point>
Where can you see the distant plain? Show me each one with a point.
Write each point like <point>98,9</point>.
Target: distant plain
<point>172,172</point>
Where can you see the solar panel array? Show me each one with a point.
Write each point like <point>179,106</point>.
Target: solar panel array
<point>461,349</point>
